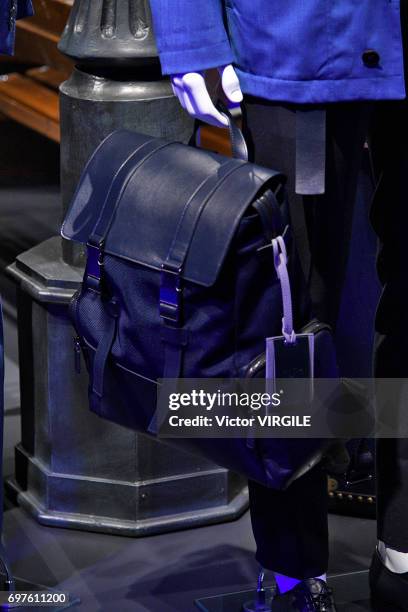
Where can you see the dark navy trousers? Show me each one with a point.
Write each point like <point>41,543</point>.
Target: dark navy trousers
<point>290,527</point>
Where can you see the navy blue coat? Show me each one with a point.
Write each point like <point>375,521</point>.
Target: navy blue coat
<point>304,51</point>
<point>10,10</point>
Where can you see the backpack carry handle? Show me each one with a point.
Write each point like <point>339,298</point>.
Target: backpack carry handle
<point>238,142</point>
<point>237,139</point>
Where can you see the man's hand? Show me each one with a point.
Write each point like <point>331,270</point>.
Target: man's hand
<point>192,92</point>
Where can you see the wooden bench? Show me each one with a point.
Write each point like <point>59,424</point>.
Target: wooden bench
<point>31,97</point>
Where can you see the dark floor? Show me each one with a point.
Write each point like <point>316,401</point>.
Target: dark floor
<point>159,573</point>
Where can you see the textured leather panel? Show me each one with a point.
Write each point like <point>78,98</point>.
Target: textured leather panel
<point>156,196</point>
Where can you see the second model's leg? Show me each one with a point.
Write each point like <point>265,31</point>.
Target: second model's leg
<point>389,574</point>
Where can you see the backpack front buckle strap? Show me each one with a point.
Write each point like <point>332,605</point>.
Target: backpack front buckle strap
<point>94,267</point>
<point>170,295</point>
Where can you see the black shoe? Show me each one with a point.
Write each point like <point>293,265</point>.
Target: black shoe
<point>389,591</point>
<point>311,595</point>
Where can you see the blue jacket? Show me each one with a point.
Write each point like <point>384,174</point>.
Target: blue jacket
<point>304,51</point>
<point>10,10</point>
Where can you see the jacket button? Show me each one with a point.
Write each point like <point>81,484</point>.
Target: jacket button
<point>371,58</point>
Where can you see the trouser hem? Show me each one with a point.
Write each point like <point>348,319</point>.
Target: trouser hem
<point>279,566</point>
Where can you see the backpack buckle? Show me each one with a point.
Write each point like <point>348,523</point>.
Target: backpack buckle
<point>170,294</point>
<point>94,266</point>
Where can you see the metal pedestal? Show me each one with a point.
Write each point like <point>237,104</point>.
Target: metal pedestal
<point>76,470</point>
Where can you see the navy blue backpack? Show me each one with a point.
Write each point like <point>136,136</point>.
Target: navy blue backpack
<point>179,283</point>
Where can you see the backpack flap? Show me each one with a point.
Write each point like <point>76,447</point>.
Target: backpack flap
<point>152,202</point>
<point>95,182</point>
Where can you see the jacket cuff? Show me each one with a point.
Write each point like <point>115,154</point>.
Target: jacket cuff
<point>191,60</point>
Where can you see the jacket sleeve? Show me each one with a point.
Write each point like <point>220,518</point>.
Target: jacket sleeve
<point>24,9</point>
<point>9,12</point>
<point>190,35</point>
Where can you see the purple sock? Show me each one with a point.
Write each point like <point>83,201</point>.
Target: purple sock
<point>286,583</point>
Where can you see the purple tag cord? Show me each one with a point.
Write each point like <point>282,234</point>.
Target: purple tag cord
<point>280,259</point>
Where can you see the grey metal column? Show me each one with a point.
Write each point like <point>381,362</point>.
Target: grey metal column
<point>72,468</point>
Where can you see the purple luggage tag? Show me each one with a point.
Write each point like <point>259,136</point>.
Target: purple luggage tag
<point>290,356</point>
